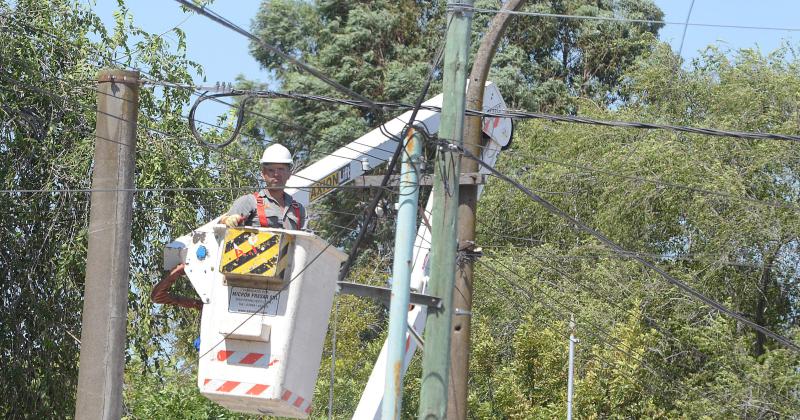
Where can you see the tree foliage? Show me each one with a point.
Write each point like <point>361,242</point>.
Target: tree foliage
<point>50,54</point>
<point>718,213</point>
<point>383,51</point>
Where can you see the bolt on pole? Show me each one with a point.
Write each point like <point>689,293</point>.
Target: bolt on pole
<point>105,305</point>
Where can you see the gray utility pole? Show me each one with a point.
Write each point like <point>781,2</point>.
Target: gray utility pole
<point>468,197</point>
<point>572,341</point>
<point>105,304</point>
<point>435,361</point>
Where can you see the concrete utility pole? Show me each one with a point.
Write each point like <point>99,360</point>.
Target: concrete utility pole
<point>105,305</point>
<point>468,197</point>
<point>435,361</point>
<point>407,202</point>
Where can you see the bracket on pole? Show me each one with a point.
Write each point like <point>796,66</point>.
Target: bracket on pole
<point>472,178</point>
<point>384,294</point>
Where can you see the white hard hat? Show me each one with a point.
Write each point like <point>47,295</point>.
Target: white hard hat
<point>277,153</point>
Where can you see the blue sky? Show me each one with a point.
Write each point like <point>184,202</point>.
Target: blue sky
<point>224,54</point>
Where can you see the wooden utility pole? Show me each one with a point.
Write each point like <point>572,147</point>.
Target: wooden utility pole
<point>105,305</point>
<point>468,197</point>
<point>435,361</point>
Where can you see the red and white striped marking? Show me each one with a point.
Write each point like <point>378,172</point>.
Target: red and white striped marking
<point>245,358</point>
<point>493,122</point>
<point>234,387</point>
<point>297,401</point>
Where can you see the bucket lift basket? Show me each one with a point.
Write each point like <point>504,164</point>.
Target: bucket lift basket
<point>268,295</point>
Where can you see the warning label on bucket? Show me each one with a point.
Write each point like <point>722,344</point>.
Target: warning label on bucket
<point>249,300</point>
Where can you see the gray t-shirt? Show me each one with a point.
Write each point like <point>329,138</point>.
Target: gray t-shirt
<point>246,206</point>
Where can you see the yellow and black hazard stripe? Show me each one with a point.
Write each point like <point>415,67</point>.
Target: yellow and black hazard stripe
<point>246,250</point>
<point>235,238</point>
<point>284,258</point>
<point>280,263</point>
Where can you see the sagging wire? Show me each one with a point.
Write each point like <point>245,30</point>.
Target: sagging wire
<point>237,126</point>
<point>597,332</point>
<point>210,14</point>
<point>582,227</point>
<point>523,115</point>
<point>241,110</point>
<point>437,58</point>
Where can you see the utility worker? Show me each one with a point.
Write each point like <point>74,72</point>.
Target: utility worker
<point>270,207</point>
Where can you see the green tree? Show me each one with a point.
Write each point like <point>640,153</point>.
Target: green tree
<point>718,213</point>
<point>50,54</point>
<point>382,50</point>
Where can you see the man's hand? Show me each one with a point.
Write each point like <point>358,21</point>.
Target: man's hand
<point>232,220</point>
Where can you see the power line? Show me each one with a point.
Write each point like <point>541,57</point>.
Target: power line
<point>311,70</point>
<point>464,7</point>
<point>176,189</point>
<point>591,290</point>
<point>550,303</point>
<point>238,125</point>
<point>366,103</point>
<point>667,184</point>
<point>522,115</point>
<point>159,36</point>
<point>437,57</point>
<point>580,226</point>
<point>594,254</point>
<point>65,101</point>
<point>595,331</point>
<point>685,27</point>
<point>553,310</point>
<point>241,109</point>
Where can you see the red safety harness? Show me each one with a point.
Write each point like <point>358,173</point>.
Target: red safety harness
<point>262,214</point>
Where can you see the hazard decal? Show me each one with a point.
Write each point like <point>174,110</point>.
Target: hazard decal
<point>251,253</point>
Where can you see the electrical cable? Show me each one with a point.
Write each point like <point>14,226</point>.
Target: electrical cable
<point>595,254</point>
<point>605,333</point>
<point>601,331</point>
<point>667,183</point>
<point>170,189</point>
<point>596,331</point>
<point>237,126</point>
<point>56,96</point>
<point>665,332</point>
<point>241,110</point>
<point>345,269</point>
<point>580,226</point>
<point>522,115</point>
<point>295,171</point>
<point>205,11</point>
<point>685,27</point>
<point>465,7</point>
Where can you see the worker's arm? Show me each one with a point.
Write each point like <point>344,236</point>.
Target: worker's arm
<point>161,294</point>
<point>232,220</point>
